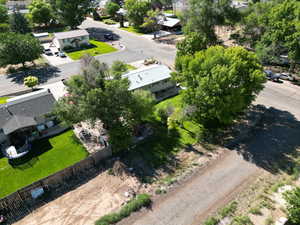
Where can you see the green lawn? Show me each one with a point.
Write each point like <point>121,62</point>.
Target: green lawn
<point>132,30</point>
<point>130,67</point>
<point>50,155</point>
<point>98,49</point>
<point>3,100</point>
<point>170,11</point>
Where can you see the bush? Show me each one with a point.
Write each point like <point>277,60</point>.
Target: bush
<point>255,211</point>
<point>242,220</point>
<point>228,210</point>
<point>293,205</point>
<point>109,22</point>
<point>142,200</point>
<point>211,221</point>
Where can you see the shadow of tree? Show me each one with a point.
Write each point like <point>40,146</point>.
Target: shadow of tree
<point>157,151</point>
<point>38,148</point>
<point>273,143</point>
<point>98,33</point>
<point>43,74</point>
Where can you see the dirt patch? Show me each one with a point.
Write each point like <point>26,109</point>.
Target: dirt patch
<point>84,205</point>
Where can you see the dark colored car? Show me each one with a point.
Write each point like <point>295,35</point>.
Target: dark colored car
<point>48,51</point>
<point>109,36</point>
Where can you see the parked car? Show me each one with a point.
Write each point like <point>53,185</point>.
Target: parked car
<point>109,36</point>
<point>287,76</point>
<point>275,77</point>
<point>61,54</point>
<point>272,76</point>
<point>268,73</point>
<point>48,51</point>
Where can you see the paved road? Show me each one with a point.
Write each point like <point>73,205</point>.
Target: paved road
<point>136,48</point>
<point>192,202</point>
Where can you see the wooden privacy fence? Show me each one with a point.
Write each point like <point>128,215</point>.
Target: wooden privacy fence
<point>20,203</point>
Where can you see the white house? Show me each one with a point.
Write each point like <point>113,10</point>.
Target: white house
<point>71,39</point>
<point>155,78</point>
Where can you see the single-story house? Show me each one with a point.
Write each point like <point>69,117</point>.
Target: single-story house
<point>71,39</point>
<point>169,23</point>
<point>23,119</point>
<point>155,78</point>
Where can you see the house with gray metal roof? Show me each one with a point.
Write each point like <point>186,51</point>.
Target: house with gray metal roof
<point>155,78</point>
<point>71,39</point>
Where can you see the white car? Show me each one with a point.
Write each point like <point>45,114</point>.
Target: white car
<point>286,76</point>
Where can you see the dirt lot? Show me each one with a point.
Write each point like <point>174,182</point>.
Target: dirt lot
<point>84,205</point>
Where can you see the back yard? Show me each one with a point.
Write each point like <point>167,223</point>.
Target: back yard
<point>48,156</point>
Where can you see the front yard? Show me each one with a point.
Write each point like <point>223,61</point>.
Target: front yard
<point>48,156</point>
<point>98,48</point>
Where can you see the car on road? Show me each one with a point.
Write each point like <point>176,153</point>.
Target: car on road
<point>48,51</point>
<point>287,76</point>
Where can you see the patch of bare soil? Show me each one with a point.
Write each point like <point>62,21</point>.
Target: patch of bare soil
<point>170,39</point>
<point>84,205</point>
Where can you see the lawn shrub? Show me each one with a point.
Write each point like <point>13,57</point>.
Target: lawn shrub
<point>242,220</point>
<point>142,200</point>
<point>255,211</point>
<point>211,221</point>
<point>109,22</point>
<point>228,210</point>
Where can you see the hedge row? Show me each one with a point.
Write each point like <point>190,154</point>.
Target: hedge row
<point>133,205</point>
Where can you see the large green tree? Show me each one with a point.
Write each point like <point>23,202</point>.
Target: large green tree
<point>220,83</point>
<point>40,12</point>
<point>203,15</point>
<point>18,23</point>
<point>98,95</point>
<point>272,28</point>
<point>18,48</point>
<point>112,8</point>
<point>3,14</point>
<point>72,13</point>
<point>152,22</point>
<point>136,11</point>
<point>193,42</point>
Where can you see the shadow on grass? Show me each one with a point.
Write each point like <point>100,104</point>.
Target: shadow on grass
<point>157,151</point>
<point>38,148</point>
<point>274,142</point>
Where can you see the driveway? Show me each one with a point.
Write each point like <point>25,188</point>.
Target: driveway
<point>53,59</point>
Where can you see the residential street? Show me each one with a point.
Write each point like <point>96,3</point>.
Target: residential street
<point>213,187</point>
<point>132,52</point>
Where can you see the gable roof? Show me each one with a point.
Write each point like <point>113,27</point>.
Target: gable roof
<point>23,111</point>
<point>149,75</point>
<point>70,34</point>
